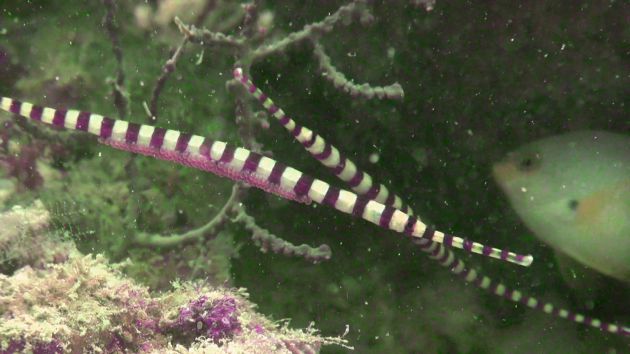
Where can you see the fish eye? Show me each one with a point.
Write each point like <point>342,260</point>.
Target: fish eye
<point>529,163</point>
<point>573,204</point>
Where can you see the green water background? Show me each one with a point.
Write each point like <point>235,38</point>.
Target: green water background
<point>480,79</point>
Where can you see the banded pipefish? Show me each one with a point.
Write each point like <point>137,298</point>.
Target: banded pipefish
<point>243,165</point>
<point>362,183</point>
<point>260,171</point>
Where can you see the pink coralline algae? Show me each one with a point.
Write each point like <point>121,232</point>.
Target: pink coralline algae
<point>216,320</point>
<point>18,346</point>
<point>14,346</point>
<point>82,303</point>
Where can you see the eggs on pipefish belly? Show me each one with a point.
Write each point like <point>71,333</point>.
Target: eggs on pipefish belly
<point>573,192</point>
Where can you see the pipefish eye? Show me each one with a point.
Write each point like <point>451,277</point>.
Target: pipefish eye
<point>529,163</point>
<point>573,204</point>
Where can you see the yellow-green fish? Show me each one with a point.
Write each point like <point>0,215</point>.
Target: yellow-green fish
<point>573,192</point>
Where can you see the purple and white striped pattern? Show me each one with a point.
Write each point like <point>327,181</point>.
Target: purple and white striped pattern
<point>348,172</point>
<point>446,258</point>
<point>326,153</point>
<point>243,165</point>
<point>265,173</point>
<point>316,145</point>
<point>171,145</point>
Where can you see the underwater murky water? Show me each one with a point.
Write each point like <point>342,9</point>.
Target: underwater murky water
<point>136,228</point>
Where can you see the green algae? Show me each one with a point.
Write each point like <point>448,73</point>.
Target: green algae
<point>479,80</point>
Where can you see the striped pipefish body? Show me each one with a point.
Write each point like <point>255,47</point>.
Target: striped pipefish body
<point>265,173</point>
<point>363,184</point>
<point>324,152</point>
<point>243,165</point>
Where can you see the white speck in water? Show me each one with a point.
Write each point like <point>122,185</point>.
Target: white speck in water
<point>199,58</point>
<point>374,157</point>
<point>99,154</point>
<point>523,189</point>
<point>391,52</point>
<point>563,46</point>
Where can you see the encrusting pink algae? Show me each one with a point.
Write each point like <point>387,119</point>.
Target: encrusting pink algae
<point>79,303</point>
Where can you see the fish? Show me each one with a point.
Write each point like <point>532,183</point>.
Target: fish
<point>573,192</point>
